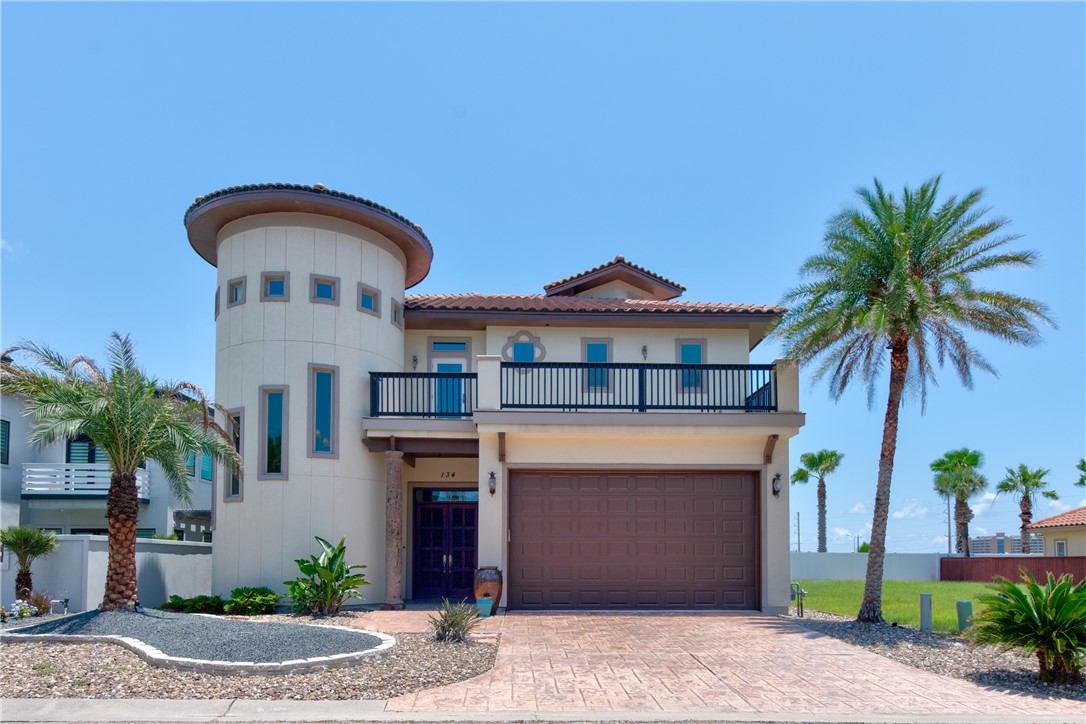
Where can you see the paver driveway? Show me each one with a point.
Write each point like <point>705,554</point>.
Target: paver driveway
<point>697,662</point>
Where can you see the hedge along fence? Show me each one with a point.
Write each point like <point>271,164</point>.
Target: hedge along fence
<point>986,568</point>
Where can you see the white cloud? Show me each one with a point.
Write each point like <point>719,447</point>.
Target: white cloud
<point>983,504</point>
<point>842,533</point>
<point>1058,506</point>
<point>977,531</point>
<point>858,509</point>
<point>912,509</point>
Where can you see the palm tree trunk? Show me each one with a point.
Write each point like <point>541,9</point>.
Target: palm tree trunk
<point>1026,517</point>
<point>24,583</point>
<point>821,515</point>
<point>871,608</point>
<point>122,510</point>
<point>962,516</point>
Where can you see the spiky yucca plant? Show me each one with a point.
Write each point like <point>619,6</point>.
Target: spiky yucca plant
<point>1048,621</point>
<point>453,622</point>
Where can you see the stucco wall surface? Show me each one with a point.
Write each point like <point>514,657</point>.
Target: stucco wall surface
<point>853,566</point>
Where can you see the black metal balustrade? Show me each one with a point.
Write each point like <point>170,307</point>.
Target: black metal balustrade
<point>638,387</point>
<point>422,394</point>
<point>573,386</point>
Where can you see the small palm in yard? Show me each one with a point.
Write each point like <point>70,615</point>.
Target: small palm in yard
<point>1046,620</point>
<point>957,476</point>
<point>1026,485</point>
<point>131,418</point>
<point>26,544</point>
<point>819,464</point>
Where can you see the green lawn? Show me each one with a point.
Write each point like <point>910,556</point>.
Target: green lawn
<point>900,600</point>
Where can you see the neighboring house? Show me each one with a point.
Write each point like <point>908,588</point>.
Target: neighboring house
<point>1000,544</point>
<point>63,487</point>
<point>604,444</point>
<point>1064,534</point>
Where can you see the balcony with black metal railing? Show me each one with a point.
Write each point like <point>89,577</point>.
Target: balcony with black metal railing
<point>579,386</point>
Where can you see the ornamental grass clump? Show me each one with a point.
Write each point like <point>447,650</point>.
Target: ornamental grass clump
<point>1048,621</point>
<point>453,622</point>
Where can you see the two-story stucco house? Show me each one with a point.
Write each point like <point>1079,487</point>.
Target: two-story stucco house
<point>604,443</point>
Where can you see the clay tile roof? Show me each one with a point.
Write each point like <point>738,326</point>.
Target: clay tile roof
<point>1071,517</point>
<point>541,303</point>
<point>315,188</point>
<point>618,263</point>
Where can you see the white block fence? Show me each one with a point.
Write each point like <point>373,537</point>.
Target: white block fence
<point>853,566</point>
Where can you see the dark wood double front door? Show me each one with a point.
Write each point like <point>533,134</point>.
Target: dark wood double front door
<point>445,543</point>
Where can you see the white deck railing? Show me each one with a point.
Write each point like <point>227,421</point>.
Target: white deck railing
<point>81,480</point>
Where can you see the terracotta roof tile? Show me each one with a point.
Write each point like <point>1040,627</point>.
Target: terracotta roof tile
<point>616,261</point>
<point>1071,517</point>
<point>541,303</point>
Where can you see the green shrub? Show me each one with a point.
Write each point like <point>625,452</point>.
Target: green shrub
<point>453,623</point>
<point>1048,621</point>
<point>159,536</point>
<point>198,604</point>
<point>326,581</point>
<point>246,601</point>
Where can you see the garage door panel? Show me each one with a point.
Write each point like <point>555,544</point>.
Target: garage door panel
<point>671,540</point>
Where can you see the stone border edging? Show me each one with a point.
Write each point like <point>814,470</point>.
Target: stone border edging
<point>154,657</point>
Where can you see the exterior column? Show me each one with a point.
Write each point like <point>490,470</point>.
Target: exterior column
<point>393,531</point>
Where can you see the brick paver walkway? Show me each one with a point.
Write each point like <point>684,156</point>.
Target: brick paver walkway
<point>695,663</point>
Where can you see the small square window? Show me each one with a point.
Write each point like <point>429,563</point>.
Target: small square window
<point>235,292</point>
<point>397,314</point>
<point>369,300</point>
<point>323,290</point>
<point>275,287</point>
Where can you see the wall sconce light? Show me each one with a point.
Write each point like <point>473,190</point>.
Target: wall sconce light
<point>414,361</point>
<point>644,352</point>
<point>493,483</point>
<point>777,485</point>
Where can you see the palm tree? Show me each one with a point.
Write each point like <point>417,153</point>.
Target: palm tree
<point>820,464</point>
<point>957,476</point>
<point>896,275</point>
<point>27,544</point>
<point>1026,484</point>
<point>131,418</point>
<point>1081,467</point>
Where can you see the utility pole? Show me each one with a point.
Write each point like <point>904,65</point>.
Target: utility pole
<point>856,544</point>
<point>799,548</point>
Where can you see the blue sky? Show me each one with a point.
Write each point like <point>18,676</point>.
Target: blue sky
<point>707,142</point>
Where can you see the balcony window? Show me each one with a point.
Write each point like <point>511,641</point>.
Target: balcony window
<point>691,352</point>
<point>235,292</point>
<point>273,433</point>
<point>82,451</point>
<point>324,290</point>
<point>235,421</point>
<point>275,287</point>
<point>596,351</point>
<point>323,411</point>
<point>369,300</point>
<point>5,441</point>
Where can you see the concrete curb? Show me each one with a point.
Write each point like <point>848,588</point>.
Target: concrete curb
<point>154,657</point>
<point>67,711</point>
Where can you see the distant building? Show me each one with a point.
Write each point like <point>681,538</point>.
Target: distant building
<point>1000,544</point>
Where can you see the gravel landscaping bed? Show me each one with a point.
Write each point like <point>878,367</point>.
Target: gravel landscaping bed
<point>942,654</point>
<point>105,671</point>
<point>211,638</point>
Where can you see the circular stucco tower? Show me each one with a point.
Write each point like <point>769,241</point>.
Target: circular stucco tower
<point>309,300</point>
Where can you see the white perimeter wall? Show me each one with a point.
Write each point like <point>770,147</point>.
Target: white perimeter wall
<point>77,570</point>
<point>853,566</point>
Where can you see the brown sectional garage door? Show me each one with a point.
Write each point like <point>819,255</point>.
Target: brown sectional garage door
<point>613,540</point>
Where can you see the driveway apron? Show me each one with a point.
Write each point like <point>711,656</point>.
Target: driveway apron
<point>703,662</point>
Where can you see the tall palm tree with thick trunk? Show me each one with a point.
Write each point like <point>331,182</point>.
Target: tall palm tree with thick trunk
<point>819,464</point>
<point>957,476</point>
<point>1026,484</point>
<point>131,418</point>
<point>896,275</point>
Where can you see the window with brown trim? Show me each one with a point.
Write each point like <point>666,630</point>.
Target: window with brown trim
<point>273,432</point>
<point>323,289</point>
<point>323,408</point>
<point>235,292</point>
<point>235,422</point>
<point>369,299</point>
<point>275,286</point>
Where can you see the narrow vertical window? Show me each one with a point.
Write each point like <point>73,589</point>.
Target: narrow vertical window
<point>273,433</point>
<point>190,465</point>
<point>397,314</point>
<point>5,441</point>
<point>323,411</point>
<point>236,420</point>
<point>217,290</point>
<point>691,352</point>
<point>206,468</point>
